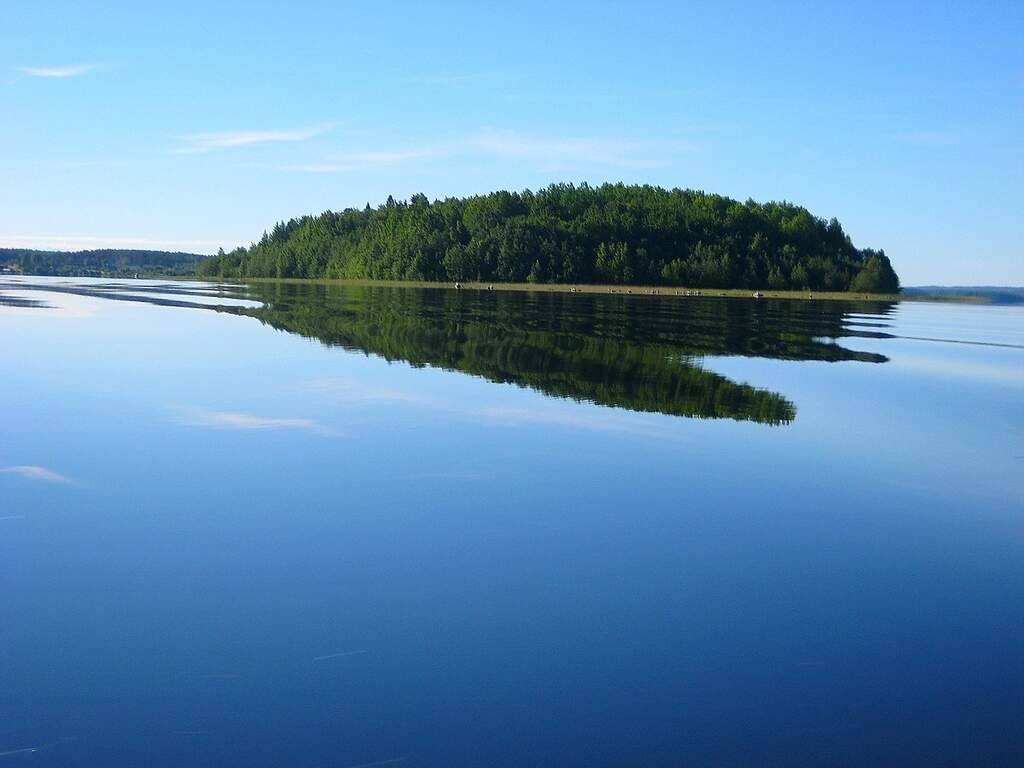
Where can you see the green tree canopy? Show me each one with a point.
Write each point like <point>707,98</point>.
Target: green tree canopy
<point>615,234</point>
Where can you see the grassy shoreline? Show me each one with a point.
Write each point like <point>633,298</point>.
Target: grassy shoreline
<point>622,290</point>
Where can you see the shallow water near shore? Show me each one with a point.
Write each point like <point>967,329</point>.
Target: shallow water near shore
<point>311,525</point>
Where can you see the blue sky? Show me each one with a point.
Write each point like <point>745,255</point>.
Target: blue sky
<point>198,125</point>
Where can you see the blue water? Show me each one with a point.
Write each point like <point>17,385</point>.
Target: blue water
<point>341,527</point>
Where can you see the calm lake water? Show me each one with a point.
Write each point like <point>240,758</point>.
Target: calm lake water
<point>346,526</point>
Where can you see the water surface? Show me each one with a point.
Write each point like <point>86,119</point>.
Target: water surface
<point>336,526</point>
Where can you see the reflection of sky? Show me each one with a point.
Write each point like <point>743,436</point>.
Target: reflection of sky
<point>517,408</point>
<point>70,306</point>
<point>210,301</point>
<point>946,416</point>
<point>125,360</point>
<point>36,473</point>
<point>201,417</point>
<point>548,561</point>
<point>68,292</point>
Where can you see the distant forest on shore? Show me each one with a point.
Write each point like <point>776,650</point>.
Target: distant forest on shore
<point>105,262</point>
<point>613,234</point>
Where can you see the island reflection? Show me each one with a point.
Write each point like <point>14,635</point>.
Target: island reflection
<point>638,353</point>
<point>641,353</point>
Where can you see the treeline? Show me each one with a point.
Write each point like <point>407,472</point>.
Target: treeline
<point>611,234</point>
<point>106,262</point>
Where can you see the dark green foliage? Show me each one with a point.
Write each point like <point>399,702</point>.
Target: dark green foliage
<point>618,234</point>
<point>642,355</point>
<point>876,276</point>
<point>99,263</point>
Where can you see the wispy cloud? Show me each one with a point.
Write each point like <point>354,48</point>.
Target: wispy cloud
<point>1010,374</point>
<point>71,70</point>
<point>356,161</point>
<point>37,473</point>
<point>557,414</point>
<point>589,418</point>
<point>550,153</point>
<point>200,417</point>
<point>558,152</point>
<point>207,142</point>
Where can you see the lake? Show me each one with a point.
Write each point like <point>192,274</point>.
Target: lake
<point>325,525</point>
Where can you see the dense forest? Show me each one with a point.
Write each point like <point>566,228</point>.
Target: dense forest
<point>611,234</point>
<point>98,263</point>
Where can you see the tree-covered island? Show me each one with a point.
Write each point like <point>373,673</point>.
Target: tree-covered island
<point>613,234</point>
